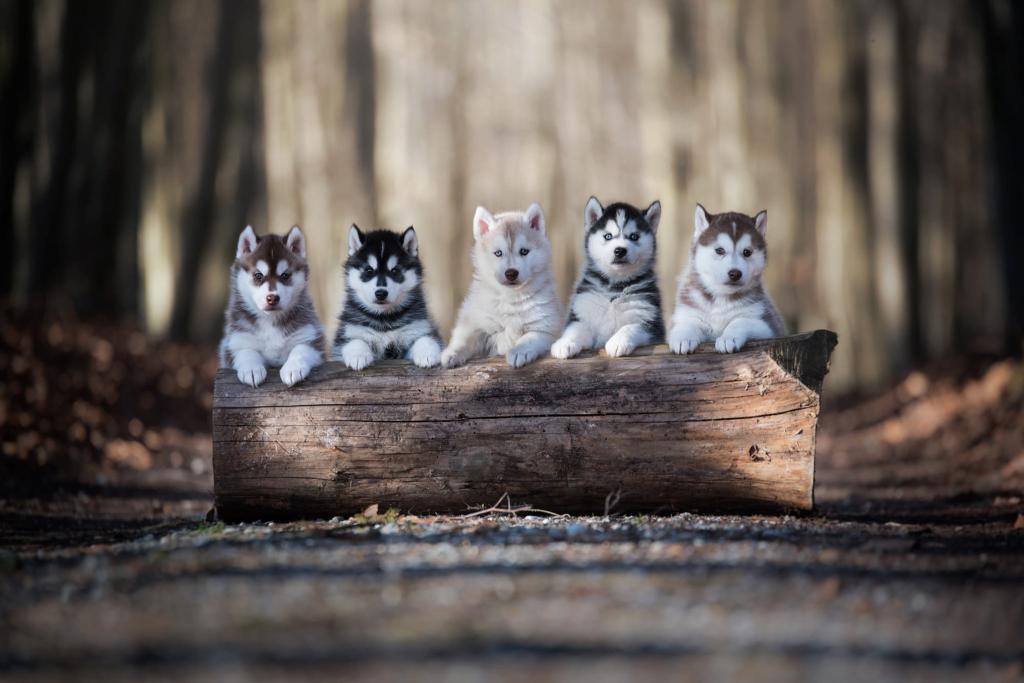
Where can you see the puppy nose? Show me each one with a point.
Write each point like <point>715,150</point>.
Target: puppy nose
<point>381,294</point>
<point>735,275</point>
<point>620,252</point>
<point>273,299</point>
<point>511,274</point>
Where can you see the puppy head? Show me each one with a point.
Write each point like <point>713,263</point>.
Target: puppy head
<point>271,270</point>
<point>729,251</point>
<point>620,239</point>
<point>511,248</point>
<point>383,268</point>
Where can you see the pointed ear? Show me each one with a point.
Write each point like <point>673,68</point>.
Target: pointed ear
<point>653,215</point>
<point>247,242</point>
<point>355,239</point>
<point>410,243</point>
<point>296,241</point>
<point>761,221</point>
<point>483,222</point>
<point>535,217</point>
<point>592,213</point>
<point>700,220</point>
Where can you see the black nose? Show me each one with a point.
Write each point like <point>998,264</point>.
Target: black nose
<point>620,252</point>
<point>511,274</point>
<point>273,299</point>
<point>381,294</point>
<point>735,275</point>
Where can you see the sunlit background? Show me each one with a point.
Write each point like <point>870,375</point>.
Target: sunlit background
<point>140,137</point>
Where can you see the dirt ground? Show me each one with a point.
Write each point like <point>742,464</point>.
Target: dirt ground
<point>912,567</point>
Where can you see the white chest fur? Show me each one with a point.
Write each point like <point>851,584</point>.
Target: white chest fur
<point>605,316</point>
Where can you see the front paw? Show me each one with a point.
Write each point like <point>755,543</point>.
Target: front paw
<point>452,358</point>
<point>294,371</point>
<point>680,342</point>
<point>729,343</point>
<point>619,345</point>
<point>518,357</point>
<point>253,375</point>
<point>357,358</point>
<point>565,348</point>
<point>426,354</point>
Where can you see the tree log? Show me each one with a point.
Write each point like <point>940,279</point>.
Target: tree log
<point>656,431</point>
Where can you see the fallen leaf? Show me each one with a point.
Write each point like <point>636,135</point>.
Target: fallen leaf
<point>371,511</point>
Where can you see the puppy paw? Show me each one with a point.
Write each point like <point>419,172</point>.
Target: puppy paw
<point>357,357</point>
<point>681,343</point>
<point>565,348</point>
<point>452,359</point>
<point>518,357</point>
<point>729,344</point>
<point>253,375</point>
<point>619,345</point>
<point>294,371</point>
<point>425,353</point>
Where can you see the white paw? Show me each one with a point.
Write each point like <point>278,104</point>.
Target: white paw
<point>680,343</point>
<point>294,371</point>
<point>357,357</point>
<point>518,357</point>
<point>727,344</point>
<point>426,353</point>
<point>565,348</point>
<point>619,345</point>
<point>253,375</point>
<point>452,359</point>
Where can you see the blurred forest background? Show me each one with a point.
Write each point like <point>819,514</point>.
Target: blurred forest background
<point>883,138</point>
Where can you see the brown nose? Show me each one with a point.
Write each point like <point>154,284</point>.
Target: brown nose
<point>735,275</point>
<point>273,299</point>
<point>511,274</point>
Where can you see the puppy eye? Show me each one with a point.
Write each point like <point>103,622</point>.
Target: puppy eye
<point>395,271</point>
<point>257,277</point>
<point>367,269</point>
<point>635,236</point>
<point>286,276</point>
<point>607,236</point>
<point>498,253</point>
<point>747,253</point>
<point>720,251</point>
<point>524,252</point>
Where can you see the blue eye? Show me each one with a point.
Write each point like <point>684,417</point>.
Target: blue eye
<point>607,236</point>
<point>720,251</point>
<point>367,269</point>
<point>635,236</point>
<point>524,252</point>
<point>498,253</point>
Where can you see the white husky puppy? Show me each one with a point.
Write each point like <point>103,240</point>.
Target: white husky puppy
<point>270,318</point>
<point>512,307</point>
<point>720,294</point>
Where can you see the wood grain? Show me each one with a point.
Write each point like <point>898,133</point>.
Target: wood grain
<point>723,433</point>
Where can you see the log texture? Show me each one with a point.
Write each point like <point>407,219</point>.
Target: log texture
<point>662,433</point>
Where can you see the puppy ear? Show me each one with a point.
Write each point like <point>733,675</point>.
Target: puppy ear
<point>592,212</point>
<point>761,221</point>
<point>410,243</point>
<point>535,217</point>
<point>483,222</point>
<point>653,215</point>
<point>355,239</point>
<point>296,241</point>
<point>700,220</point>
<point>247,242</point>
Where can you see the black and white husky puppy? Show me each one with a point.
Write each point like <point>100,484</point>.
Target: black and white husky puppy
<point>617,303</point>
<point>270,318</point>
<point>385,313</point>
<point>720,295</point>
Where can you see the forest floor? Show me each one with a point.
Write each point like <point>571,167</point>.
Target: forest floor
<point>912,567</point>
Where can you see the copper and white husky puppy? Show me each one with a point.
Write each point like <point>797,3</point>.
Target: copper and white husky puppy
<point>512,307</point>
<point>270,318</point>
<point>720,294</point>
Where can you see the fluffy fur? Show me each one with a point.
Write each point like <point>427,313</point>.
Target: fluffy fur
<point>270,318</point>
<point>617,303</point>
<point>385,312</point>
<point>720,294</point>
<point>512,307</point>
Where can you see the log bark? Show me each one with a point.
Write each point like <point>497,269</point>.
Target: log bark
<point>662,433</point>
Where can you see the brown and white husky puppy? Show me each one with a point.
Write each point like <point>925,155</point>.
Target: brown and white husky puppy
<point>270,318</point>
<point>720,295</point>
<point>512,308</point>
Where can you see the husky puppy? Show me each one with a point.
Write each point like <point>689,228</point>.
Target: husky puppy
<point>720,294</point>
<point>512,307</point>
<point>270,318</point>
<point>385,313</point>
<point>617,303</point>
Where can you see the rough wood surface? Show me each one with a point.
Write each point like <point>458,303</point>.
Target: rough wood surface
<point>660,432</point>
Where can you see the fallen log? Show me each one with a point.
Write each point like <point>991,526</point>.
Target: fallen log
<point>654,432</point>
